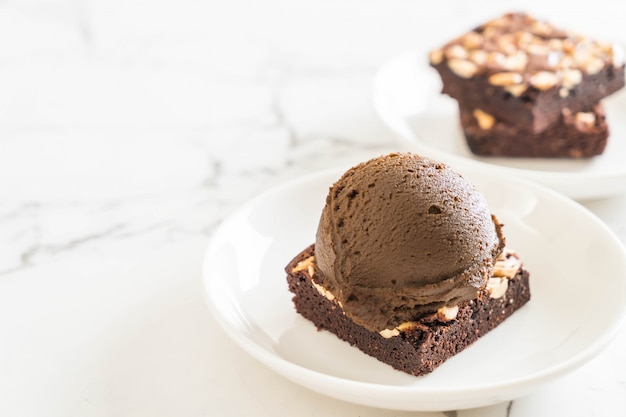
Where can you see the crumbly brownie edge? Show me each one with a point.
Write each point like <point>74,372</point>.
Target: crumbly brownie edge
<point>421,349</point>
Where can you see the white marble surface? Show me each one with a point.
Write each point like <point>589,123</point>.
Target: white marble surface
<point>130,129</point>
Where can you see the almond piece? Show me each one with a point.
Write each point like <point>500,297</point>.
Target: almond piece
<point>436,56</point>
<point>456,51</point>
<point>543,80</point>
<point>497,287</point>
<point>472,40</point>
<point>516,61</point>
<point>594,65</point>
<point>447,313</point>
<point>485,120</point>
<point>571,78</point>
<point>585,120</point>
<point>506,78</point>
<point>516,90</point>
<point>463,68</point>
<point>479,56</point>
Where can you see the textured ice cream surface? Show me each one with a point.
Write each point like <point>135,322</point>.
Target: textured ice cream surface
<point>401,236</point>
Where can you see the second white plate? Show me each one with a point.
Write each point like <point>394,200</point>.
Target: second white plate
<point>578,286</point>
<point>407,97</point>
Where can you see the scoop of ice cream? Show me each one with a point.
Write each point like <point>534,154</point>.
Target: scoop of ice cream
<point>401,236</point>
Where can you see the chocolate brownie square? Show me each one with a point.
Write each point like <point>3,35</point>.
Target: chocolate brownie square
<point>416,347</point>
<point>524,71</point>
<point>575,135</point>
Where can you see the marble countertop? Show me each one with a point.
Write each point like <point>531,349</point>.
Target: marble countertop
<point>129,130</point>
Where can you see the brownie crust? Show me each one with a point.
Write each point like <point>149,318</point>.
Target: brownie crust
<point>426,344</point>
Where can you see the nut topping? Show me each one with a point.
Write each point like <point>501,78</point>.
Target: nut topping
<point>308,265</point>
<point>472,40</point>
<point>323,291</point>
<point>456,51</point>
<point>507,265</point>
<point>485,120</point>
<point>541,28</point>
<point>516,61</point>
<point>506,43</point>
<point>544,80</point>
<point>568,46</point>
<point>495,60</point>
<point>436,56</point>
<point>305,264</point>
<point>538,51</point>
<point>497,287</point>
<point>594,66</point>
<point>447,313</point>
<point>407,325</point>
<point>506,78</point>
<point>479,57</point>
<point>523,39</point>
<point>463,68</point>
<point>516,90</point>
<point>566,62</point>
<point>571,78</point>
<point>555,44</point>
<point>585,120</point>
<point>389,333</point>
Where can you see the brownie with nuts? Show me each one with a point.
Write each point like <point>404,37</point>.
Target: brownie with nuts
<point>524,71</point>
<point>416,347</point>
<point>576,135</point>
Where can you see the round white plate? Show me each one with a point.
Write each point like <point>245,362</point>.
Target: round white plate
<point>407,97</point>
<point>578,286</point>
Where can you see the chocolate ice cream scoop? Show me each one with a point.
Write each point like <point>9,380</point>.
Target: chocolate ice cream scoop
<point>401,236</point>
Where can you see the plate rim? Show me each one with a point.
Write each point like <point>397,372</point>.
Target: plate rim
<point>372,392</point>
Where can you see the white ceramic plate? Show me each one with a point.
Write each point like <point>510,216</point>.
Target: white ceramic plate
<point>407,97</point>
<point>578,285</point>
